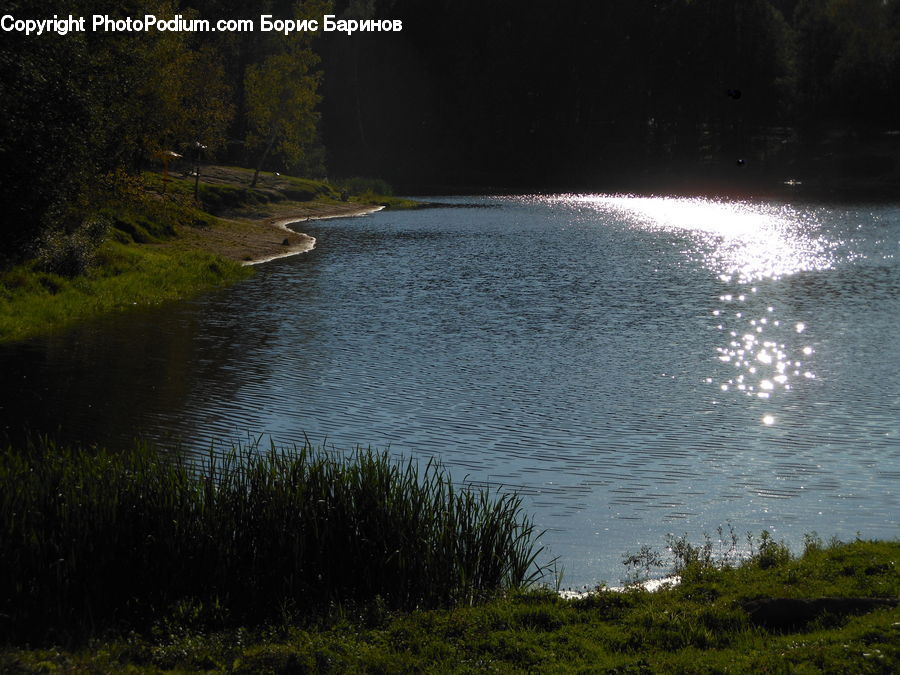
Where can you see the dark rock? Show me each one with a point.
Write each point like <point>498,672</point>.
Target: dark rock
<point>793,613</point>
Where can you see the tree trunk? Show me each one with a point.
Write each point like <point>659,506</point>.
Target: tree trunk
<point>262,160</point>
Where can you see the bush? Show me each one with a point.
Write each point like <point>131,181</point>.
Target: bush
<point>771,553</point>
<point>71,254</point>
<point>359,185</point>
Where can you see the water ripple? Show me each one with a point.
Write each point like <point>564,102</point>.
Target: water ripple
<point>631,366</point>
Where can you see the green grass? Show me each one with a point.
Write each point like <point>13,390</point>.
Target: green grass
<point>92,540</point>
<point>304,561</point>
<point>219,199</point>
<point>219,196</point>
<point>153,219</point>
<point>33,301</point>
<point>123,272</point>
<point>359,185</point>
<point>388,201</point>
<point>374,191</point>
<point>693,628</point>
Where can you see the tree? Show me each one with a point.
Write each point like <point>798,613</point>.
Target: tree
<point>47,134</point>
<point>281,94</point>
<point>78,107</point>
<point>174,90</point>
<point>849,61</point>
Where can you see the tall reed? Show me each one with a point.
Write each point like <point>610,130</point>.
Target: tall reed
<point>96,537</point>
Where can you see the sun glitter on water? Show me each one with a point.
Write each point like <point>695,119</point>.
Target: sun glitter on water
<point>742,240</point>
<point>744,245</point>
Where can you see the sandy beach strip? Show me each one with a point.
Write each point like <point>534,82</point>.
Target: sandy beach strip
<point>297,242</point>
<point>252,239</point>
<point>650,586</point>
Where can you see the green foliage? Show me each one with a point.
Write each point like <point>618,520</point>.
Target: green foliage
<point>163,90</point>
<point>281,98</point>
<point>33,301</point>
<point>219,199</point>
<point>359,185</point>
<point>771,553</point>
<point>118,537</point>
<point>47,134</point>
<point>395,203</point>
<point>848,52</point>
<point>95,268</point>
<point>237,195</point>
<point>71,254</point>
<point>281,94</point>
<point>304,189</point>
<point>75,108</point>
<point>373,191</point>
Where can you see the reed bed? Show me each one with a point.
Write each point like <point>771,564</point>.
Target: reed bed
<point>98,538</point>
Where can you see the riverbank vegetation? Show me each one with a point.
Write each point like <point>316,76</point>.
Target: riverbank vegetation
<point>735,93</point>
<point>33,300</point>
<point>709,95</point>
<point>78,109</point>
<point>117,259</point>
<point>303,561</point>
<point>151,240</point>
<point>92,540</point>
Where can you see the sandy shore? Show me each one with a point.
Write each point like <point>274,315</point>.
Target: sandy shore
<point>254,240</point>
<point>294,242</point>
<point>650,586</point>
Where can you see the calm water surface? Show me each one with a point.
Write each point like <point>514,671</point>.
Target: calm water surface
<point>633,366</point>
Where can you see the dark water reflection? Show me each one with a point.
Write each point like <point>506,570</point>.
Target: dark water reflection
<point>633,366</point>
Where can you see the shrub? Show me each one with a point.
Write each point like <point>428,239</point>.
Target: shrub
<point>359,185</point>
<point>71,254</point>
<point>771,553</point>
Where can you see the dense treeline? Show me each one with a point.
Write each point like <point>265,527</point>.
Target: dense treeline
<point>470,95</point>
<point>598,95</point>
<point>81,113</point>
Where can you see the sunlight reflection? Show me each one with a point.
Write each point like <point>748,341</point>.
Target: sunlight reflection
<point>765,363</point>
<point>748,241</point>
<point>740,243</point>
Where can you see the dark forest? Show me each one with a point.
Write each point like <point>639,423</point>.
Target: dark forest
<point>611,95</point>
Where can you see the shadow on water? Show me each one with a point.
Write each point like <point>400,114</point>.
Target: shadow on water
<point>141,373</point>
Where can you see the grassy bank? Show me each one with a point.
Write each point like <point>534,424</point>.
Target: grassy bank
<point>709,624</point>
<point>301,561</point>
<point>154,242</point>
<point>34,301</point>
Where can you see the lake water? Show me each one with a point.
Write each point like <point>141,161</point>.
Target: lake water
<point>633,366</point>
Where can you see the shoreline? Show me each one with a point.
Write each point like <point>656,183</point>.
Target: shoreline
<point>650,586</point>
<point>306,243</point>
<point>252,239</point>
<point>220,251</point>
